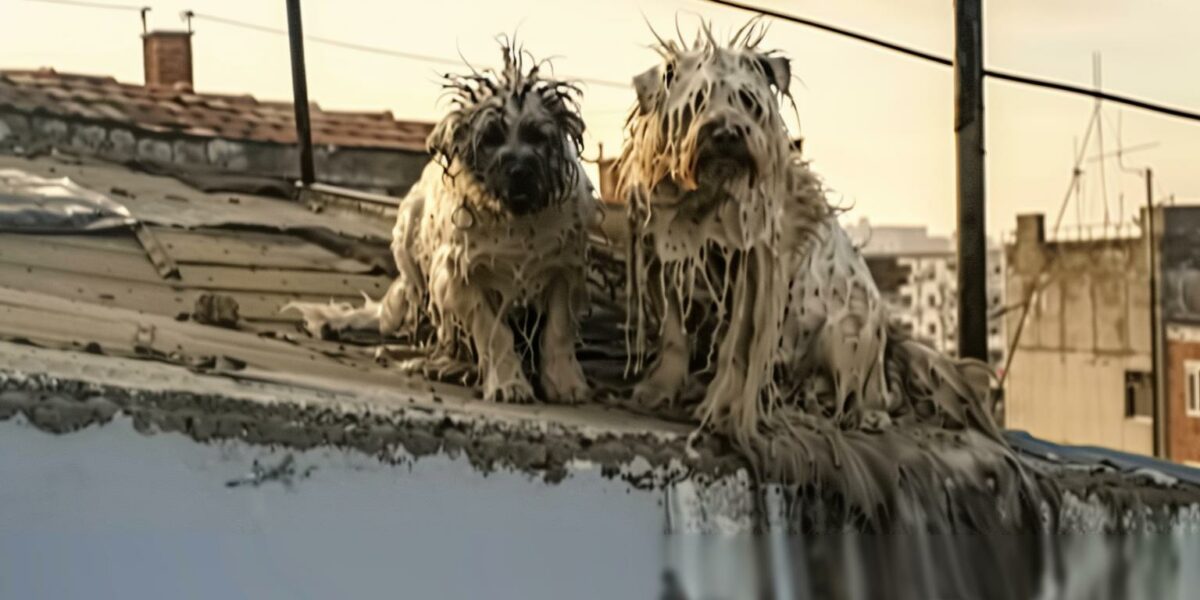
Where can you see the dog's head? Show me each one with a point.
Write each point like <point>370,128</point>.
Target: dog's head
<point>708,114</point>
<point>516,132</point>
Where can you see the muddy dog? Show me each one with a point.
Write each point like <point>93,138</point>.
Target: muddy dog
<point>497,223</point>
<point>722,205</point>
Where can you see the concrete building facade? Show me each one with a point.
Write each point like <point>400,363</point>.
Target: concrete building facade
<point>1084,370</point>
<point>917,274</point>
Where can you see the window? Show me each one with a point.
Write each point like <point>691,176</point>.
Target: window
<point>1139,395</point>
<point>932,301</point>
<point>1192,398</point>
<point>932,329</point>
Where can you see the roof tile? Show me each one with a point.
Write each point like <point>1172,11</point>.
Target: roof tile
<point>240,117</point>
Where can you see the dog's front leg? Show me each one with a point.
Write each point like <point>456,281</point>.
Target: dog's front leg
<point>499,365</point>
<point>668,374</point>
<point>562,377</point>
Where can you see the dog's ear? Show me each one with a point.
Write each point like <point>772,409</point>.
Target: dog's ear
<point>441,140</point>
<point>778,70</point>
<point>647,86</point>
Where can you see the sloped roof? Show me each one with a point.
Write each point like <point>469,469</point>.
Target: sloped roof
<point>183,111</point>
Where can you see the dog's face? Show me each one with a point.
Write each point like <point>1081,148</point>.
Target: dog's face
<point>709,114</point>
<point>517,134</point>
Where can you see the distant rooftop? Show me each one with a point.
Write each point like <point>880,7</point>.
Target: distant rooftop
<point>179,110</point>
<point>881,240</point>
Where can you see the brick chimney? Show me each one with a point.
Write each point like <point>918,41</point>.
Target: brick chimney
<point>1028,256</point>
<point>168,58</point>
<point>1031,229</point>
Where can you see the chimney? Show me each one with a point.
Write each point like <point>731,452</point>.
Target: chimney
<point>1031,229</point>
<point>1028,257</point>
<point>168,59</point>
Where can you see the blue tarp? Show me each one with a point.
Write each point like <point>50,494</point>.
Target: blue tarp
<point>1095,455</point>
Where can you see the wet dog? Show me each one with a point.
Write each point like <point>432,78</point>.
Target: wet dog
<point>721,205</point>
<point>497,223</point>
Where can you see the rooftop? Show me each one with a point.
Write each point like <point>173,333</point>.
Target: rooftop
<point>179,110</point>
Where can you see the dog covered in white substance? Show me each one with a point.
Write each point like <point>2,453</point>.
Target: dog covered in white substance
<point>722,207</point>
<point>496,224</point>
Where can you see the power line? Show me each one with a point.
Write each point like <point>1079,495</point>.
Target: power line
<point>105,5</point>
<point>941,60</point>
<point>380,51</point>
<point>328,41</point>
<point>874,41</point>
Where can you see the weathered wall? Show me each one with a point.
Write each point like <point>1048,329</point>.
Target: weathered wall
<point>1076,398</point>
<point>384,171</point>
<point>1183,437</point>
<point>1180,260</point>
<point>1180,232</point>
<point>1088,325</point>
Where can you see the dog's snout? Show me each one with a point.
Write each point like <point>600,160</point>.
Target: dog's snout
<point>519,170</point>
<point>727,134</point>
<point>723,131</point>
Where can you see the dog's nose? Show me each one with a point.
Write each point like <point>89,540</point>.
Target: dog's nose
<point>727,134</point>
<point>519,170</point>
<point>723,131</point>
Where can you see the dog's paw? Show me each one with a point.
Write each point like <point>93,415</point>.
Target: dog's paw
<point>653,394</point>
<point>874,420</point>
<point>515,391</point>
<point>565,385</point>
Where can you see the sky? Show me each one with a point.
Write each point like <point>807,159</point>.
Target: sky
<point>878,126</point>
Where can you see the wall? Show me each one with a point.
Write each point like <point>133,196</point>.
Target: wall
<point>1179,227</point>
<point>1088,325</point>
<point>384,171</point>
<point>1180,260</point>
<point>1183,437</point>
<point>1076,398</point>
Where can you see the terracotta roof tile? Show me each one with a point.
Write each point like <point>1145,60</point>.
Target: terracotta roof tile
<point>239,117</point>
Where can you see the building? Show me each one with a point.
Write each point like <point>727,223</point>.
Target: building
<point>1084,367</point>
<point>164,125</point>
<point>918,277</point>
<point>1180,300</point>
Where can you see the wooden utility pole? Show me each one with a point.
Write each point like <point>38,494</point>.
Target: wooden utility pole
<point>968,129</point>
<point>1158,410</point>
<point>300,93</point>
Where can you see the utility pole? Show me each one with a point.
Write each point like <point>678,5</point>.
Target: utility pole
<point>968,129</point>
<point>300,93</point>
<point>1159,411</point>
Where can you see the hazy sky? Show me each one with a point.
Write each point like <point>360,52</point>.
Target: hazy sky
<point>878,125</point>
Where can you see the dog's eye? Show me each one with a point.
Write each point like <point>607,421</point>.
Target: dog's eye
<point>492,136</point>
<point>533,135</point>
<point>750,103</point>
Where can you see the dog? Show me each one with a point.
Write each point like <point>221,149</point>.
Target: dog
<point>722,206</point>
<point>496,224</point>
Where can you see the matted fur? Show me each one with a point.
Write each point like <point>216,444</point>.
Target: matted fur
<point>467,260</point>
<point>800,322</point>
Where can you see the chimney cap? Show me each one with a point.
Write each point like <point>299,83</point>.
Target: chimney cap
<point>167,33</point>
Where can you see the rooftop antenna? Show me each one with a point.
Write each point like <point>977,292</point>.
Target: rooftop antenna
<point>186,16</point>
<point>143,10</point>
<point>1096,79</point>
